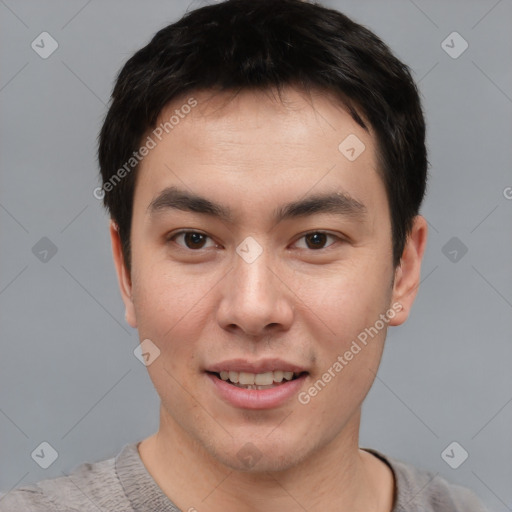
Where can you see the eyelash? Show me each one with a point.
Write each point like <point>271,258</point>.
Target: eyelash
<point>171,238</point>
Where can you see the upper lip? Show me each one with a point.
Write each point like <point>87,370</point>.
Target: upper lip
<point>261,366</point>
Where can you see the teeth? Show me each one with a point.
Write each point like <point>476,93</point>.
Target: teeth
<point>245,378</point>
<point>254,380</point>
<point>264,379</point>
<point>253,386</point>
<point>278,375</point>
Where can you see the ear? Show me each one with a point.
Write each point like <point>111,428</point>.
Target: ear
<point>408,272</point>
<point>123,276</point>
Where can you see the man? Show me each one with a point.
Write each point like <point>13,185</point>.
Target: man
<point>263,163</point>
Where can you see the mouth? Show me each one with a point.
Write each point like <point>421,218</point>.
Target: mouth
<point>262,384</point>
<point>257,381</point>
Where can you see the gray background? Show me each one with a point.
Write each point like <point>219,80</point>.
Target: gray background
<point>68,374</point>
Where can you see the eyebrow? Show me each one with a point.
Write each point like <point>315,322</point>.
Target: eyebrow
<point>338,203</point>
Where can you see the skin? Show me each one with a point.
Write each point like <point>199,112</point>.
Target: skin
<point>303,305</point>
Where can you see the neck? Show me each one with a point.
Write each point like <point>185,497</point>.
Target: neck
<point>337,477</point>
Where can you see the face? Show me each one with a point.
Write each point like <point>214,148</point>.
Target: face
<point>262,252</point>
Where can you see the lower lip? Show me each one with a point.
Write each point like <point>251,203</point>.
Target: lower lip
<point>257,398</point>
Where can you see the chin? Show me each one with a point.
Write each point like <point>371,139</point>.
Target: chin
<point>260,456</point>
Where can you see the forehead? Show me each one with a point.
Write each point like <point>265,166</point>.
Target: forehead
<point>258,145</point>
<point>263,117</point>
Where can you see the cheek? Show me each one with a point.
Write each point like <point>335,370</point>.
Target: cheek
<point>166,302</point>
<point>345,372</point>
<point>349,297</point>
<point>170,313</point>
<point>345,311</point>
<point>170,309</point>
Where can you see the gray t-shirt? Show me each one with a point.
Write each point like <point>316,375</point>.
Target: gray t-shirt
<point>122,484</point>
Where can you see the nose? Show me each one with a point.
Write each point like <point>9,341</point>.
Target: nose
<point>256,300</point>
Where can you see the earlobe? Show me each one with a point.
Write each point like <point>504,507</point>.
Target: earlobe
<point>408,272</point>
<point>123,276</point>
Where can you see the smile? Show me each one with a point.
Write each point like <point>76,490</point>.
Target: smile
<point>258,381</point>
<point>256,396</point>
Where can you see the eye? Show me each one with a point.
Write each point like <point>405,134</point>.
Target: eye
<point>191,240</point>
<point>316,240</point>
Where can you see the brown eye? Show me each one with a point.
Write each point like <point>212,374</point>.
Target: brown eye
<point>190,239</point>
<point>194,240</point>
<point>316,240</point>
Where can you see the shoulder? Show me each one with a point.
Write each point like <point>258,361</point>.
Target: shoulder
<point>29,498</point>
<point>89,487</point>
<point>424,491</point>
